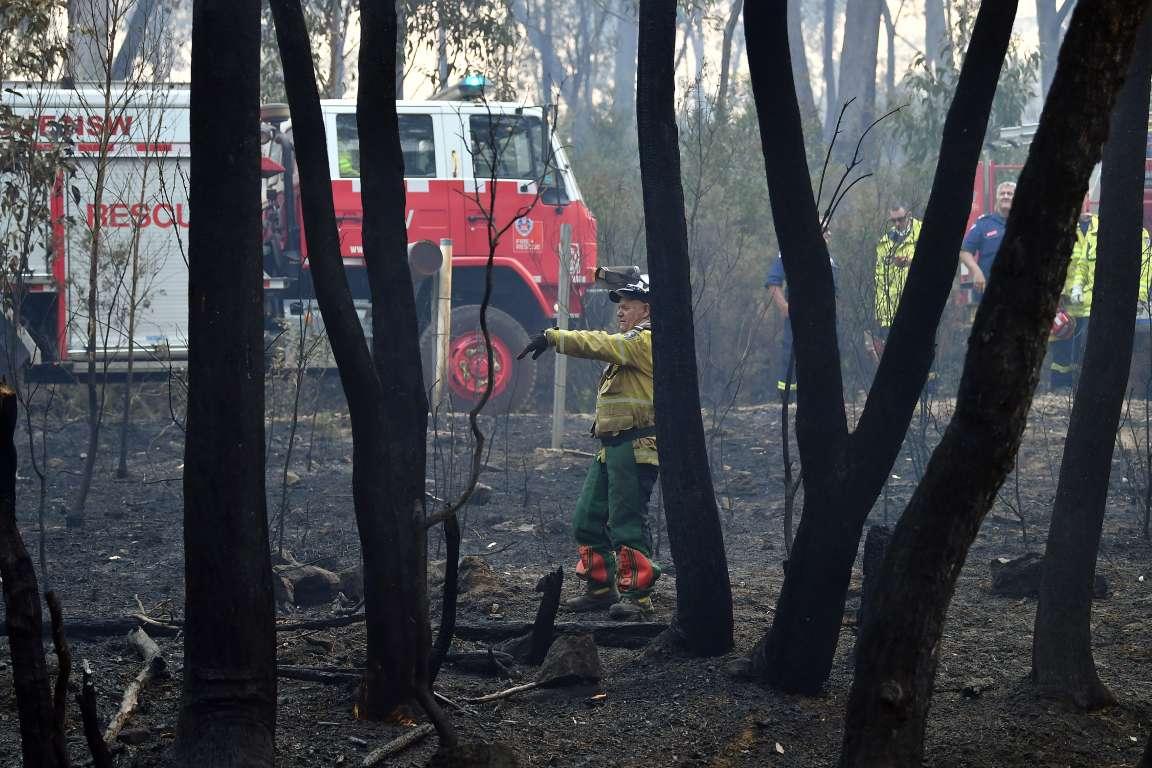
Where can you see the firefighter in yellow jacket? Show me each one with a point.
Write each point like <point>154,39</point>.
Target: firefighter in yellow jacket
<point>610,522</point>
<point>894,253</point>
<point>1076,300</point>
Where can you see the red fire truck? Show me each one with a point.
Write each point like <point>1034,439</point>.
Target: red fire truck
<point>126,193</point>
<point>453,150</point>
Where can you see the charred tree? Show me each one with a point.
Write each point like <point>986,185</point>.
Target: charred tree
<point>845,473</point>
<point>228,706</point>
<point>898,647</point>
<point>703,593</point>
<point>1062,662</point>
<point>386,400</point>
<point>41,738</point>
<point>397,528</point>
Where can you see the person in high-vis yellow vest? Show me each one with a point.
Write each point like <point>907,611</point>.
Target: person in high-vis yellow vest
<point>1145,297</point>
<point>610,522</point>
<point>1076,300</point>
<point>894,253</point>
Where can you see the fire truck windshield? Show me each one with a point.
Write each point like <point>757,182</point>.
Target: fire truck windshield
<point>507,147</point>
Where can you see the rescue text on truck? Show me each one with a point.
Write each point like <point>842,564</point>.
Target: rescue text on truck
<point>454,152</point>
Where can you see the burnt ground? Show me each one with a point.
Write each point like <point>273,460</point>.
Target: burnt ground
<point>657,710</point>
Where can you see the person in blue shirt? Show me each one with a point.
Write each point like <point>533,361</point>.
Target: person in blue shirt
<point>982,242</point>
<point>777,285</point>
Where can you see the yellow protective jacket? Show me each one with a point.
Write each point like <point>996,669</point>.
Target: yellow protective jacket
<point>892,262</point>
<point>1146,271</point>
<point>1082,270</point>
<point>624,397</point>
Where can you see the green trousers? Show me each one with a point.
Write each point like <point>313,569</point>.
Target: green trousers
<point>611,518</point>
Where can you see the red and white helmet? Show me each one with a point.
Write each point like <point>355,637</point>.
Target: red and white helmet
<point>1063,326</point>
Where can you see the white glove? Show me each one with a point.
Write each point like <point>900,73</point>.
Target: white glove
<point>1077,294</point>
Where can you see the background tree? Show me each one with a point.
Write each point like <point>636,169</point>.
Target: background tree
<point>800,71</point>
<point>703,594</point>
<point>1062,661</point>
<point>228,706</point>
<point>844,472</point>
<point>828,48</point>
<point>858,69</point>
<point>897,654</point>
<point>1050,18</point>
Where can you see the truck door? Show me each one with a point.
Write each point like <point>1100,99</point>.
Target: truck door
<point>508,148</point>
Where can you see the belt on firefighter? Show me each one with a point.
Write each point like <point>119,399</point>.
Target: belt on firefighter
<point>627,436</point>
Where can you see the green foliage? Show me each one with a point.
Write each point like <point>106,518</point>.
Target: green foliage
<point>32,47</point>
<point>928,91</point>
<point>478,36</point>
<point>30,42</point>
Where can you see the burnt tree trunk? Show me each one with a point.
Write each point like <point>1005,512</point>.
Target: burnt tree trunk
<point>41,739</point>
<point>389,520</point>
<point>844,474</point>
<point>396,530</point>
<point>228,707</point>
<point>1062,662</point>
<point>897,652</point>
<point>703,593</point>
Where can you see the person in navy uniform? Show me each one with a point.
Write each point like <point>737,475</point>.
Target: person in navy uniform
<point>777,285</point>
<point>982,242</point>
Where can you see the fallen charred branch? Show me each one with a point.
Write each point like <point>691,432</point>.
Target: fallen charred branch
<point>329,676</point>
<point>398,745</point>
<point>489,662</point>
<point>606,633</point>
<point>84,629</point>
<point>155,666</point>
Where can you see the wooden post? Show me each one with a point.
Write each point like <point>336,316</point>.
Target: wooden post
<point>560,384</point>
<point>442,312</point>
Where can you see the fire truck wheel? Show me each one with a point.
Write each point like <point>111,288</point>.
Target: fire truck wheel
<point>466,373</point>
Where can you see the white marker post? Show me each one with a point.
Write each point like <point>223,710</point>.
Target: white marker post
<point>560,384</point>
<point>442,311</point>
